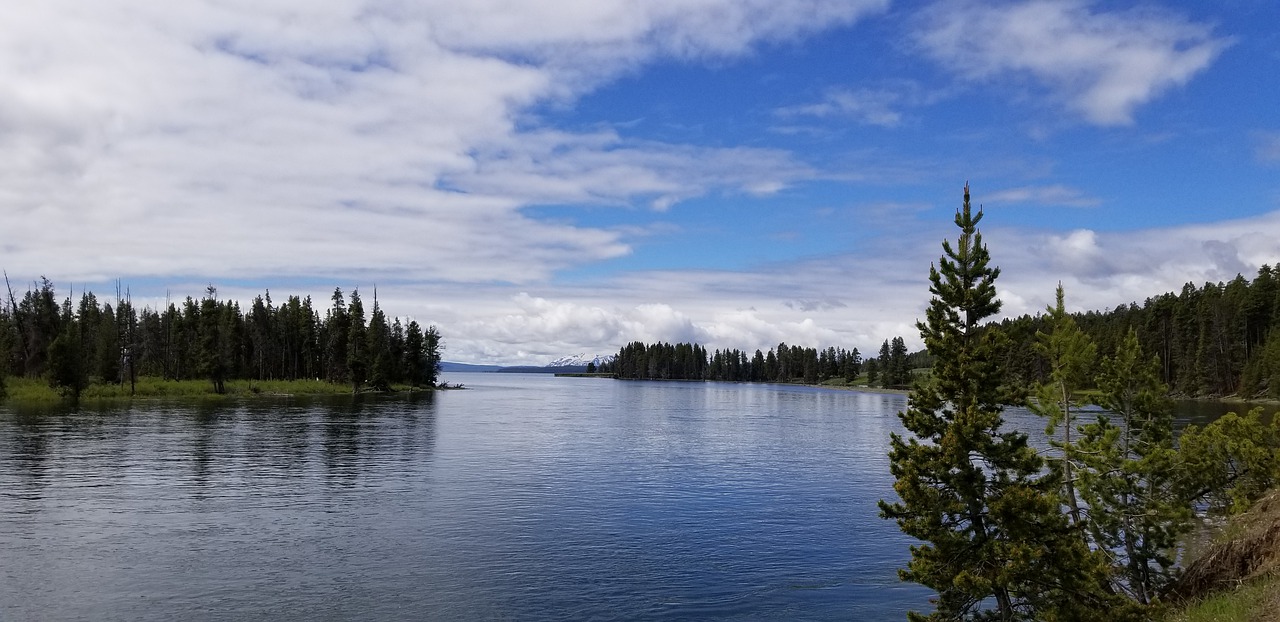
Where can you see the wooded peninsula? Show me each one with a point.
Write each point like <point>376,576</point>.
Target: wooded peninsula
<point>76,345</point>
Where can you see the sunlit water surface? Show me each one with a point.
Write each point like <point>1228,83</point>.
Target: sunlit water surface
<point>524,497</point>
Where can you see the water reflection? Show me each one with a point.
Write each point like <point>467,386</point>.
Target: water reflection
<point>29,446</point>
<point>523,497</point>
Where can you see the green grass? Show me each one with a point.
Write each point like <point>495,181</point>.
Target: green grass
<point>37,390</point>
<point>1251,601</point>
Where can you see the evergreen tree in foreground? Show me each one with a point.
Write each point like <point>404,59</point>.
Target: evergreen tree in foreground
<point>995,542</point>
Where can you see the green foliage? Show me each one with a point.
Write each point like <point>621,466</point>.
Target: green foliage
<point>379,346</point>
<point>686,361</point>
<point>32,391</point>
<point>217,339</point>
<point>1231,462</point>
<point>208,338</point>
<point>996,545</point>
<point>1129,474</point>
<point>1262,373</point>
<point>893,367</point>
<point>67,370</point>
<point>1215,339</point>
<point>422,355</point>
<point>431,356</point>
<point>357,348</point>
<point>1070,354</point>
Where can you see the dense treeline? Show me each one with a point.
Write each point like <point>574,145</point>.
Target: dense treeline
<point>684,361</point>
<point>75,343</point>
<point>1213,340</point>
<point>784,363</point>
<point>1217,339</point>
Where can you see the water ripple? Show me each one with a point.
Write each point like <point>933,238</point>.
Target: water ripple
<point>530,498</point>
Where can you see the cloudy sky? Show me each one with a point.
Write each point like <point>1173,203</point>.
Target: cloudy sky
<point>558,177</point>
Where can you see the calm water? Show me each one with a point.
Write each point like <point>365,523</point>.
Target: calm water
<point>524,497</point>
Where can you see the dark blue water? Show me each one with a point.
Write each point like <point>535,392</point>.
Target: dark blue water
<point>523,497</point>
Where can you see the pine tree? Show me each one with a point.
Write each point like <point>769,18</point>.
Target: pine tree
<point>336,329</point>
<point>213,345</point>
<point>1128,479</point>
<point>66,360</point>
<point>1070,355</point>
<point>1231,462</point>
<point>882,365</point>
<point>378,347</point>
<point>899,368</point>
<point>432,347</point>
<point>996,545</point>
<point>357,348</point>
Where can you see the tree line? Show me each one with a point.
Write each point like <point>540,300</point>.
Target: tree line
<point>73,343</point>
<point>1214,339</point>
<point>691,361</point>
<point>1088,528</point>
<point>783,363</point>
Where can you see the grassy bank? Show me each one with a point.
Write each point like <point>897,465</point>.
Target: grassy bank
<point>1237,577</point>
<point>36,391</point>
<point>1257,600</point>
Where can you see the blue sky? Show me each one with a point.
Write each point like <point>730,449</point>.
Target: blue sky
<point>543,179</point>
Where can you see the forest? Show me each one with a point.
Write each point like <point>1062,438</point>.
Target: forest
<point>1214,340</point>
<point>73,344</point>
<point>783,363</point>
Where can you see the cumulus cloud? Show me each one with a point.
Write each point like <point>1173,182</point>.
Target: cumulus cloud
<point>847,300</point>
<point>1103,269</point>
<point>394,143</point>
<point>884,290</point>
<point>542,329</point>
<point>1101,64</point>
<point>384,139</point>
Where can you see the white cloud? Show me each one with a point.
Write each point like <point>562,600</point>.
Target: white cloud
<point>385,139</point>
<point>1051,195</point>
<point>1100,270</point>
<point>866,106</point>
<point>1102,64</point>
<point>363,142</point>
<point>850,300</point>
<point>881,291</point>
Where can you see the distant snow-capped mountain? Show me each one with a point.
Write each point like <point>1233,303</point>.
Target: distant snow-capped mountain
<point>581,360</point>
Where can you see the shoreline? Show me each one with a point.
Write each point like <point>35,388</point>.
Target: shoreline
<point>36,392</point>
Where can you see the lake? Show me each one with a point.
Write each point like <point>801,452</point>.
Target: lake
<point>524,497</point>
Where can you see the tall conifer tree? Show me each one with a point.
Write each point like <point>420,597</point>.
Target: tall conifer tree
<point>1070,355</point>
<point>996,545</point>
<point>357,348</point>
